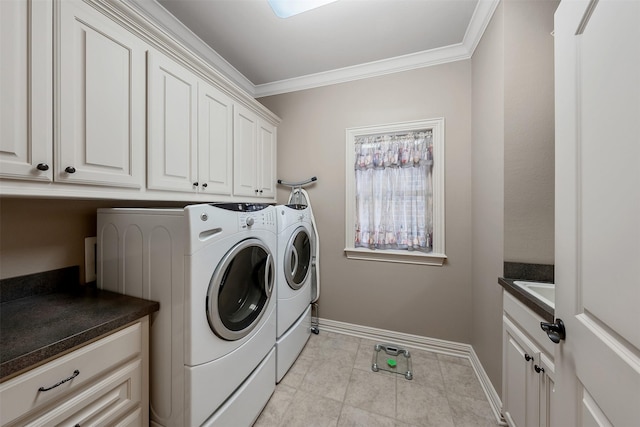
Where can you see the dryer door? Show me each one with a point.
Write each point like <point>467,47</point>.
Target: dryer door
<point>297,258</point>
<point>240,289</point>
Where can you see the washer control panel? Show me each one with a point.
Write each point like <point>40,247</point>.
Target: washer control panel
<point>257,220</point>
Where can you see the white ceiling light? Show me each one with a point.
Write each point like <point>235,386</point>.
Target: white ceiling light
<point>287,8</point>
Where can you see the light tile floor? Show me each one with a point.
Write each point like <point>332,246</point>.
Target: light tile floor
<point>332,384</point>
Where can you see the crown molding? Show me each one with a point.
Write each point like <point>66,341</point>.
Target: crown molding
<point>478,23</point>
<point>155,12</point>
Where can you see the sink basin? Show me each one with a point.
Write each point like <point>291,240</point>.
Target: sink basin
<point>545,292</point>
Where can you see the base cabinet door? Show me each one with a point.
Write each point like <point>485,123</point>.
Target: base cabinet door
<point>521,382</point>
<point>26,91</point>
<point>100,104</point>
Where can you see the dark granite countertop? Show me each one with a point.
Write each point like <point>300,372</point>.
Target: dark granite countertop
<point>533,303</point>
<point>37,327</point>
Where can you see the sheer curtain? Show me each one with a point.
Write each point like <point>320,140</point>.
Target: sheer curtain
<point>394,191</point>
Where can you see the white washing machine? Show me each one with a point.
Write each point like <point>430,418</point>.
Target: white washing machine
<point>295,253</point>
<point>212,268</point>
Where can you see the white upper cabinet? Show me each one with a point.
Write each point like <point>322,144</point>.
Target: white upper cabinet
<point>26,62</point>
<point>190,131</point>
<point>96,101</point>
<point>172,114</point>
<point>101,104</point>
<point>254,155</point>
<point>215,140</point>
<point>266,159</point>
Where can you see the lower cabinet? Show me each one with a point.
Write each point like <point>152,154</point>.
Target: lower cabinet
<point>104,383</point>
<point>527,368</point>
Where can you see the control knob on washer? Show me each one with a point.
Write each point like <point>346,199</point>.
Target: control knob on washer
<point>249,222</point>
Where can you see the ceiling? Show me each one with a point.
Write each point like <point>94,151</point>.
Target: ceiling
<point>340,41</point>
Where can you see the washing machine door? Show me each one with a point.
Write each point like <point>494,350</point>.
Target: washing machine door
<point>297,258</point>
<point>240,289</point>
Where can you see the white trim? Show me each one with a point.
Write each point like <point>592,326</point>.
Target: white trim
<point>157,13</point>
<point>436,257</point>
<point>457,52</point>
<point>402,257</point>
<point>450,348</point>
<point>397,64</point>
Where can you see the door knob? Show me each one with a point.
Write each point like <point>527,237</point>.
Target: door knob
<point>70,169</point>
<point>42,167</point>
<point>555,331</point>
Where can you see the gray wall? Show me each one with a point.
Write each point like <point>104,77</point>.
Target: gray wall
<point>39,235</point>
<point>529,131</point>
<point>487,196</point>
<point>423,300</point>
<point>513,162</point>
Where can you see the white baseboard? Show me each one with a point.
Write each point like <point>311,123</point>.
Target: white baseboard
<point>450,348</point>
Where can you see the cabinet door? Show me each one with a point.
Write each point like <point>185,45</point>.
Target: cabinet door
<point>172,108</point>
<point>521,382</point>
<point>26,78</point>
<point>245,136</point>
<point>100,99</point>
<point>547,390</point>
<point>215,140</point>
<point>266,160</point>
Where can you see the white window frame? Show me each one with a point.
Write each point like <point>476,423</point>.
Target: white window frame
<point>437,256</point>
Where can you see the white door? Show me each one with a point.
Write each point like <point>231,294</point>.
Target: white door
<point>215,140</point>
<point>172,114</point>
<point>266,160</point>
<point>597,200</point>
<point>245,161</point>
<point>100,99</point>
<point>26,77</point>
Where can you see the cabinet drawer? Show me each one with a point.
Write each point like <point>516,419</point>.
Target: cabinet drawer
<point>528,321</point>
<point>112,399</point>
<point>23,394</point>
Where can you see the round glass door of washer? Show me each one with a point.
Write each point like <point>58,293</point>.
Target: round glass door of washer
<point>240,290</point>
<point>297,258</point>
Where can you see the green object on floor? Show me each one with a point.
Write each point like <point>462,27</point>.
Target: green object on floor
<point>391,363</point>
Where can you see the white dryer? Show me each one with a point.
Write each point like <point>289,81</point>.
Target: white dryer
<point>295,253</point>
<point>212,268</point>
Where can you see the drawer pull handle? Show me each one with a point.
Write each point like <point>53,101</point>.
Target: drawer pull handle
<point>75,374</point>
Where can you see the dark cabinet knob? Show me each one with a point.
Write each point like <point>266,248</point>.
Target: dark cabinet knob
<point>256,190</point>
<point>538,369</point>
<point>204,185</point>
<point>42,167</point>
<point>527,357</point>
<point>555,331</point>
<point>70,169</point>
<point>195,184</point>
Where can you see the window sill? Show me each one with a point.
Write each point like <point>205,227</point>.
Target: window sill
<point>403,257</point>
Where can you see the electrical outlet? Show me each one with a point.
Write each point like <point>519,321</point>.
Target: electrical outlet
<point>89,259</point>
